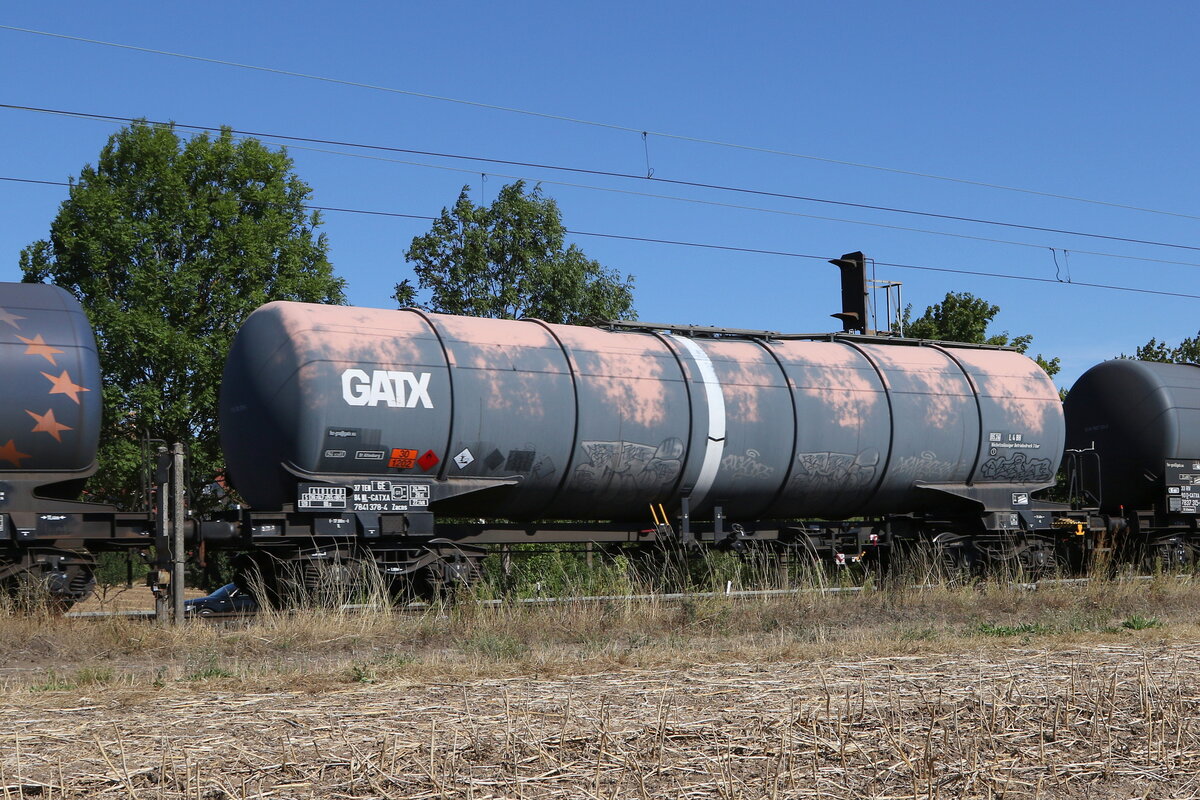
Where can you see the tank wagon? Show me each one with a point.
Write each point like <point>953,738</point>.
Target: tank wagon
<point>1133,438</point>
<point>399,445</point>
<point>361,429</point>
<point>525,420</point>
<point>49,431</point>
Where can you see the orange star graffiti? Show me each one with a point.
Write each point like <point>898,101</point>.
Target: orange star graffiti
<point>48,424</point>
<point>11,454</point>
<point>63,385</point>
<point>38,347</point>
<point>10,318</point>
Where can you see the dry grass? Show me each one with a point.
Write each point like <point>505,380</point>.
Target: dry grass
<point>1111,721</point>
<point>946,692</point>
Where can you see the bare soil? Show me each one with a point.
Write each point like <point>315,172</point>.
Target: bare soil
<point>1109,721</point>
<point>1069,692</point>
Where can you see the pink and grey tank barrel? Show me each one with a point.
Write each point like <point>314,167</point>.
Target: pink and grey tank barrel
<point>50,399</point>
<point>1143,420</point>
<point>597,424</point>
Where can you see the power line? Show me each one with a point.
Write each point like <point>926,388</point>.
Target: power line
<point>620,175</point>
<point>1032,279</point>
<point>31,180</point>
<point>596,124</point>
<point>696,201</point>
<point>716,204</point>
<point>736,249</point>
<point>922,268</point>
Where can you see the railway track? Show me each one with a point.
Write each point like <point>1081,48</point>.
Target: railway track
<point>666,597</point>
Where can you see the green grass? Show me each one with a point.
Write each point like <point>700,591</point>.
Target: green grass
<point>1022,629</point>
<point>53,682</point>
<point>208,669</point>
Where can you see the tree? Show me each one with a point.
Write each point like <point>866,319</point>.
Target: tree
<point>509,260</point>
<point>963,317</point>
<point>169,245</point>
<point>1186,352</point>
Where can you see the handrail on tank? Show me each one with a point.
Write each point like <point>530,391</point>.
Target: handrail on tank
<point>740,333</point>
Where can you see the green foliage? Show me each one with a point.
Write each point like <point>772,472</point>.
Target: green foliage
<point>207,669</point>
<point>54,682</point>
<point>1139,623</point>
<point>563,570</point>
<point>216,571</point>
<point>963,317</point>
<point>170,244</point>
<point>112,569</point>
<point>386,666</point>
<point>556,571</point>
<point>1024,629</point>
<point>83,677</point>
<point>362,673</point>
<point>1186,352</point>
<point>94,676</point>
<point>496,646</point>
<point>508,260</point>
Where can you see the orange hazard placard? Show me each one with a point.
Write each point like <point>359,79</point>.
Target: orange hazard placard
<point>402,459</point>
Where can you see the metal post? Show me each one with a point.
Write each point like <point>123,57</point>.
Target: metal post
<point>162,522</point>
<point>177,528</point>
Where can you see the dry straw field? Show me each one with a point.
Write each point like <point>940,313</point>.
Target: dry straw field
<point>984,691</point>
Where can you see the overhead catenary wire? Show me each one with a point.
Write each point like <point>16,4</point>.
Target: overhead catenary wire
<point>598,124</point>
<point>738,249</point>
<point>697,201</point>
<point>621,175</point>
<point>657,196</point>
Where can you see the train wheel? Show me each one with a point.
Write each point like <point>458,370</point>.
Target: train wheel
<point>1172,554</point>
<point>47,578</point>
<point>338,578</point>
<point>449,570</point>
<point>1022,558</point>
<point>955,558</point>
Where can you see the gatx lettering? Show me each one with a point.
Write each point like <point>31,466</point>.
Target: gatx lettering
<point>386,387</point>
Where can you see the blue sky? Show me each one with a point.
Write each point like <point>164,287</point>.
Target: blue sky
<point>1090,100</point>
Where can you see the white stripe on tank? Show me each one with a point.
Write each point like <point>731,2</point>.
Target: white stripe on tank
<point>715,446</point>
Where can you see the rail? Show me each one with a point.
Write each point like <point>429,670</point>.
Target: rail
<point>729,592</point>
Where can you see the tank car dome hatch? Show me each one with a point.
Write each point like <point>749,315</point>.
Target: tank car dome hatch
<point>586,423</point>
<point>50,397</point>
<point>1137,415</point>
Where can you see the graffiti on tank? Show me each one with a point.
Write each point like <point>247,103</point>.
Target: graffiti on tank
<point>836,470</point>
<point>1017,467</point>
<point>616,467</point>
<point>746,466</point>
<point>544,468</point>
<point>927,467</point>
